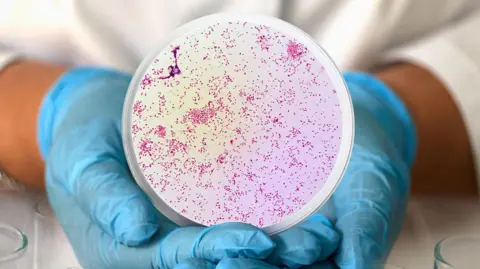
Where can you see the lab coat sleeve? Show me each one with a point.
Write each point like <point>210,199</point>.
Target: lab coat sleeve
<point>36,29</point>
<point>453,55</point>
<point>354,32</point>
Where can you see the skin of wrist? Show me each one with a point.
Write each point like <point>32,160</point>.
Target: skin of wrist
<point>444,163</point>
<point>23,85</point>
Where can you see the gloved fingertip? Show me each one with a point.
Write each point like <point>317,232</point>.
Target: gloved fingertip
<point>319,218</point>
<point>137,235</point>
<point>232,240</point>
<point>311,241</point>
<point>134,223</point>
<point>259,245</point>
<point>248,240</point>
<point>357,252</point>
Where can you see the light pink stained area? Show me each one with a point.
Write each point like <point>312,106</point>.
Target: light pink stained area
<point>236,122</point>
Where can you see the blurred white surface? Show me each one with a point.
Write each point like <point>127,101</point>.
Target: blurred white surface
<point>18,210</point>
<point>427,222</point>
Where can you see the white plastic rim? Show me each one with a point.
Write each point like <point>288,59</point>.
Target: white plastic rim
<point>336,80</point>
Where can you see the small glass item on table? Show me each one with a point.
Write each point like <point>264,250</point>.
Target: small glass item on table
<point>52,248</point>
<point>13,244</point>
<point>458,252</point>
<point>238,118</point>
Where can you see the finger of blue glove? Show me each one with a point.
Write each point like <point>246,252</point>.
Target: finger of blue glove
<point>243,263</point>
<point>370,204</point>
<point>214,243</point>
<point>195,263</point>
<point>313,240</point>
<point>93,247</point>
<point>102,185</point>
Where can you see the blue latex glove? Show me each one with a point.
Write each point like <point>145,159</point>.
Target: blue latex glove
<point>107,218</point>
<point>370,203</point>
<point>368,207</point>
<point>313,240</point>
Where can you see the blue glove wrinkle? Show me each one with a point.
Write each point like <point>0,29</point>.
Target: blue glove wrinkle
<point>370,200</point>
<point>213,244</point>
<point>259,244</point>
<point>374,188</point>
<point>313,240</point>
<point>243,263</point>
<point>195,263</point>
<point>303,251</point>
<point>124,214</point>
<point>93,247</point>
<point>177,245</point>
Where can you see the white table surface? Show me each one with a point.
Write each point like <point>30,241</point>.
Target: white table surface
<point>427,221</point>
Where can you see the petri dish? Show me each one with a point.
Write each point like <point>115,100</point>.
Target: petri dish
<point>457,252</point>
<point>238,118</point>
<point>13,243</point>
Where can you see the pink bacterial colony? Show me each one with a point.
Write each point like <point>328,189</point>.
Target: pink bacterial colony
<point>236,122</point>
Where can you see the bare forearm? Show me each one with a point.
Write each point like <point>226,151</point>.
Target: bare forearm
<point>444,163</point>
<point>22,87</point>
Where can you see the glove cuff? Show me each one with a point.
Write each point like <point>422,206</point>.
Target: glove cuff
<point>380,92</point>
<point>58,100</point>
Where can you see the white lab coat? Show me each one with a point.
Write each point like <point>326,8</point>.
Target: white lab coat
<point>442,35</point>
<point>438,34</point>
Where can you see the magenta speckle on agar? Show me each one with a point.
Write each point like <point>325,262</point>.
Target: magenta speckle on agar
<point>295,50</point>
<point>236,122</point>
<point>160,131</point>
<point>173,69</point>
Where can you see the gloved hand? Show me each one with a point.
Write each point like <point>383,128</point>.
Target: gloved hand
<point>370,202</point>
<point>107,218</point>
<point>368,207</point>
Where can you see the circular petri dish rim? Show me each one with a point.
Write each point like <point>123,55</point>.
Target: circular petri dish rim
<point>337,80</point>
<point>20,243</point>
<point>437,251</point>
